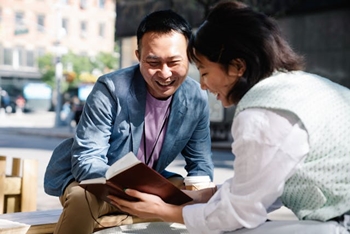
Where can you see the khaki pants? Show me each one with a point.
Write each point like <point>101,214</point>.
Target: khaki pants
<point>79,208</point>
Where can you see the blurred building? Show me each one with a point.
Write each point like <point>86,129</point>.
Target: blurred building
<point>31,28</point>
<point>317,29</point>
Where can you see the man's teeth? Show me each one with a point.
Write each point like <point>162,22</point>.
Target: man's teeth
<point>164,83</point>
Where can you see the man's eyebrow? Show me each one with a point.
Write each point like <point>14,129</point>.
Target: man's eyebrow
<point>154,57</point>
<point>176,57</point>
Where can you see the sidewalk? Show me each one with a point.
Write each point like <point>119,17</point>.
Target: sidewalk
<point>42,124</point>
<point>38,123</point>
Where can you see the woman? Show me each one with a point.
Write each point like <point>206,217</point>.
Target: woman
<point>290,130</point>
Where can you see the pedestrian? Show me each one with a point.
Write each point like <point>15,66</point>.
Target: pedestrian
<point>76,108</point>
<point>291,134</point>
<point>20,103</point>
<point>152,109</point>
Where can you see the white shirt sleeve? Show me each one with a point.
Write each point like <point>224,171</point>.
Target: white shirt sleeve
<point>268,147</point>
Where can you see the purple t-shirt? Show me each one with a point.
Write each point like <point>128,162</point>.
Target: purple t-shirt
<point>156,116</point>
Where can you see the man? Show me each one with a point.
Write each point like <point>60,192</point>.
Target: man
<point>152,109</point>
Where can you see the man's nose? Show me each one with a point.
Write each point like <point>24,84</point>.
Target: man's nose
<point>165,71</point>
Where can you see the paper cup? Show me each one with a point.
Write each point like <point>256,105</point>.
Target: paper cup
<point>198,182</point>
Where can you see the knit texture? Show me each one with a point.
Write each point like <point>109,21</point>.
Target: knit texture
<point>320,189</point>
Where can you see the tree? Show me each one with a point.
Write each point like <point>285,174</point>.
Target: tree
<point>77,69</point>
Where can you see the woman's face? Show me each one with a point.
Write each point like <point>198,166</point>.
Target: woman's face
<point>215,78</point>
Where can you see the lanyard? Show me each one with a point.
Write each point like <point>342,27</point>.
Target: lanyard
<point>165,119</point>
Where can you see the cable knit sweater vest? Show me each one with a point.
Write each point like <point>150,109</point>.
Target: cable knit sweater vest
<point>320,188</point>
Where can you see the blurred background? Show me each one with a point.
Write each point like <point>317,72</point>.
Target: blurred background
<point>52,51</point>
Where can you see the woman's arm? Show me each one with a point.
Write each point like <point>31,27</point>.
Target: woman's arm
<point>269,147</point>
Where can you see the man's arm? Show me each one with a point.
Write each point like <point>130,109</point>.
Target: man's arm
<point>91,142</point>
<point>197,151</point>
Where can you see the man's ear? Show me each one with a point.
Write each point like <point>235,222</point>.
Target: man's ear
<point>237,67</point>
<point>137,53</point>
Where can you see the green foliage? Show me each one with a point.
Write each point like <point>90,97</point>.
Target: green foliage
<point>77,63</point>
<point>77,67</point>
<point>106,60</point>
<point>47,69</point>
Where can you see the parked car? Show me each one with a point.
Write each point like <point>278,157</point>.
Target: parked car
<point>6,102</point>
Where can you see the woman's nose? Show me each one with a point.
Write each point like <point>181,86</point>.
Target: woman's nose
<point>203,85</point>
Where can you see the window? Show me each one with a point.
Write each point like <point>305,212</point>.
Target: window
<point>19,19</point>
<point>40,51</point>
<point>1,55</point>
<point>83,28</point>
<point>101,3</point>
<point>65,25</point>
<point>7,56</point>
<point>30,58</point>
<point>41,23</point>
<point>83,4</point>
<point>101,29</point>
<point>21,56</point>
<point>20,27</point>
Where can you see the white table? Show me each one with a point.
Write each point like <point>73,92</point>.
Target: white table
<point>147,228</point>
<point>10,227</point>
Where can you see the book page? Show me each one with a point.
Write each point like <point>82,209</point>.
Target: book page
<point>122,164</point>
<point>100,180</point>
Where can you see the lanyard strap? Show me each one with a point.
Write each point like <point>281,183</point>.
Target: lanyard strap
<point>165,119</point>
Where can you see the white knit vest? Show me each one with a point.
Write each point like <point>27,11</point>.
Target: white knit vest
<point>320,189</point>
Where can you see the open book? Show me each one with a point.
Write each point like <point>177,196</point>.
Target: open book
<point>129,172</point>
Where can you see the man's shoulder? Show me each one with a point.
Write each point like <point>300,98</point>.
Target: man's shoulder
<point>119,74</point>
<point>190,83</point>
<point>192,88</point>
<point>121,80</point>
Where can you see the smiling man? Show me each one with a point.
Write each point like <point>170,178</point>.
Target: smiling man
<point>152,109</point>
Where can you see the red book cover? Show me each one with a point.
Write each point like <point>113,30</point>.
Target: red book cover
<point>135,175</point>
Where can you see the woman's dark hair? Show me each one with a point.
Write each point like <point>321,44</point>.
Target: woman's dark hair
<point>163,21</point>
<point>233,30</point>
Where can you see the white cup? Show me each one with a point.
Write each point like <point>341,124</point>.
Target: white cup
<point>198,182</point>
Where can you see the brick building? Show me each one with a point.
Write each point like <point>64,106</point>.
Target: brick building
<point>31,28</point>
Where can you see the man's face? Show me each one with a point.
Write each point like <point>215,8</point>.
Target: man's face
<point>163,62</point>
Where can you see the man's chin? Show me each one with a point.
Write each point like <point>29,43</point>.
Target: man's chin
<point>166,92</point>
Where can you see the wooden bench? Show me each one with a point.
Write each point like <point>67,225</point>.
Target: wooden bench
<point>18,190</point>
<point>45,221</point>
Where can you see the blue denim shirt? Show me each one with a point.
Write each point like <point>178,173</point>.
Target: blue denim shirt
<point>112,123</point>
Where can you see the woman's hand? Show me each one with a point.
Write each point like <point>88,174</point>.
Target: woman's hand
<point>201,196</point>
<point>148,206</point>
